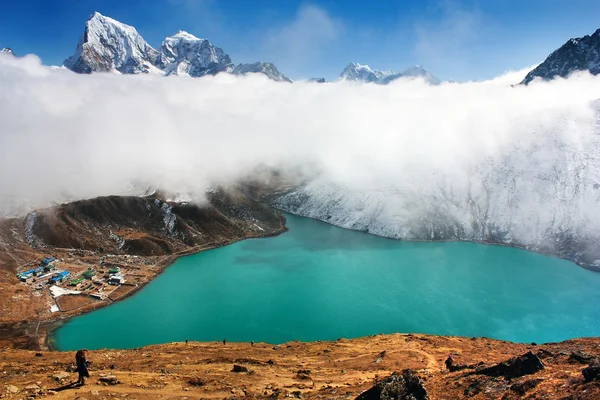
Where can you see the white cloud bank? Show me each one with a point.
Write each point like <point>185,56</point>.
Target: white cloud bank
<point>77,136</point>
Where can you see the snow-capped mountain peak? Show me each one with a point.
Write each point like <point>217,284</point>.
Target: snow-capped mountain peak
<point>7,50</point>
<point>415,71</point>
<point>577,54</point>
<point>363,73</point>
<point>183,35</point>
<point>266,68</point>
<point>110,45</point>
<point>185,54</point>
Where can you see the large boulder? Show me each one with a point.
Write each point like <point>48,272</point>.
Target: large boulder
<point>515,367</point>
<point>404,386</point>
<point>591,372</point>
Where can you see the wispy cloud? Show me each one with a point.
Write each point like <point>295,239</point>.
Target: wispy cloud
<point>303,39</point>
<point>446,43</point>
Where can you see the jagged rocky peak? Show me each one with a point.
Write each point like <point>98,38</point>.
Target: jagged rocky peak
<point>109,45</point>
<point>266,68</point>
<point>7,50</point>
<point>317,80</point>
<point>578,54</point>
<point>364,73</point>
<point>185,54</point>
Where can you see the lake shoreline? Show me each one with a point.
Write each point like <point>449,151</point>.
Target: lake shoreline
<point>38,335</point>
<point>585,266</point>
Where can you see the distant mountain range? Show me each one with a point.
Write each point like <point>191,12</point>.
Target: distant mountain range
<point>578,54</point>
<point>363,73</point>
<point>108,45</point>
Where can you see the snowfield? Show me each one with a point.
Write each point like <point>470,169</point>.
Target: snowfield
<point>541,193</point>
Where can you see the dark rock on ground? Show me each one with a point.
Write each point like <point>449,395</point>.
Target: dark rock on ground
<point>303,374</point>
<point>404,386</point>
<point>591,372</point>
<point>515,367</point>
<point>543,353</point>
<point>453,366</point>
<point>196,381</point>
<point>522,387</point>
<point>239,368</point>
<point>474,388</point>
<point>581,357</point>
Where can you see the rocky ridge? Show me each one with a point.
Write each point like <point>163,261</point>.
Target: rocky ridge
<point>577,54</point>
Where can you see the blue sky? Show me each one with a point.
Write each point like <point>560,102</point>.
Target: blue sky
<point>454,39</point>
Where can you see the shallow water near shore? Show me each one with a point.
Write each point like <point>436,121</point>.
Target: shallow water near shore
<point>320,282</point>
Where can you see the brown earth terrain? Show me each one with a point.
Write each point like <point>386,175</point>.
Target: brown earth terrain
<point>139,235</point>
<point>342,369</point>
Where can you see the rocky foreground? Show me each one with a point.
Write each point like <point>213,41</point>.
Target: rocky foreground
<point>377,367</point>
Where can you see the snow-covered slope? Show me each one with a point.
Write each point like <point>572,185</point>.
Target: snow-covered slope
<point>185,54</point>
<point>266,68</point>
<point>364,73</point>
<point>579,54</point>
<point>7,50</point>
<point>530,195</point>
<point>109,45</point>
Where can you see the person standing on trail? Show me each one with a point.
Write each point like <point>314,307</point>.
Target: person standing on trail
<point>224,341</point>
<point>82,366</point>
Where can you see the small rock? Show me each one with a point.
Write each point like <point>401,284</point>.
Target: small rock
<point>580,357</point>
<point>39,355</point>
<point>60,376</point>
<point>32,387</point>
<point>543,353</point>
<point>523,387</point>
<point>12,389</point>
<point>109,379</point>
<point>239,368</point>
<point>95,392</point>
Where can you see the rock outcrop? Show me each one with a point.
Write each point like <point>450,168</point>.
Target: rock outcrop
<point>515,367</point>
<point>578,54</point>
<point>404,386</point>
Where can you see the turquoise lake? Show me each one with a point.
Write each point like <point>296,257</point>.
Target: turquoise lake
<point>319,282</point>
